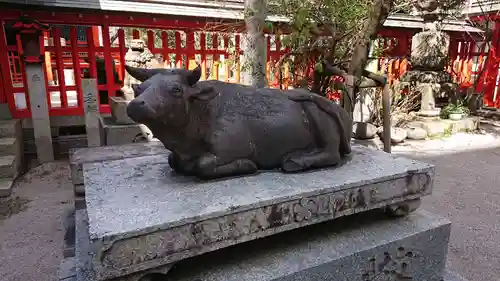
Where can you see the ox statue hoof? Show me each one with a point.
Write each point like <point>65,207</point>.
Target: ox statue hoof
<point>403,208</point>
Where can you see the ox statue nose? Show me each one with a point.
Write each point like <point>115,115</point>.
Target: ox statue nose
<point>138,110</point>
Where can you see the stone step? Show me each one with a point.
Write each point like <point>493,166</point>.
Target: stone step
<point>6,187</point>
<point>351,249</point>
<point>8,146</point>
<point>8,166</point>
<point>10,128</point>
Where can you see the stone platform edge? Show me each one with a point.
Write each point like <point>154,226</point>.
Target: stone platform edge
<point>141,250</point>
<point>81,268</point>
<point>79,156</point>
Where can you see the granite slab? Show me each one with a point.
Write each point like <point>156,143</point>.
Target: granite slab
<point>143,215</point>
<point>78,156</point>
<point>362,247</point>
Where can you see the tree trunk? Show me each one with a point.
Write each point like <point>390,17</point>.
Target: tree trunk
<point>254,43</point>
<point>379,13</point>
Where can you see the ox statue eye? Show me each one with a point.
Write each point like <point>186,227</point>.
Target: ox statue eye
<point>175,91</point>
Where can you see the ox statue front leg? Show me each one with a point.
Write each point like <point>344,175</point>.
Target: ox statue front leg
<point>211,166</point>
<point>183,167</point>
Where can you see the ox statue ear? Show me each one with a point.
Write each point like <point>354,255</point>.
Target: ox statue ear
<point>202,92</point>
<point>194,76</point>
<point>142,74</point>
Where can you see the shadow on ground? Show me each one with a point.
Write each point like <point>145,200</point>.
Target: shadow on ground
<point>467,191</point>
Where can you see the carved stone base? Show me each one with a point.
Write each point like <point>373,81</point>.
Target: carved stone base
<point>362,247</point>
<point>144,216</point>
<point>404,208</point>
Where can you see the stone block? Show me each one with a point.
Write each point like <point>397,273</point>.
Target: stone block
<point>6,187</point>
<point>467,124</point>
<point>374,143</point>
<point>69,234</point>
<point>79,189</point>
<point>136,204</point>
<point>429,50</point>
<point>416,133</point>
<point>8,166</point>
<point>8,146</point>
<point>67,269</point>
<point>436,128</point>
<point>441,127</point>
<point>80,202</point>
<point>10,128</point>
<point>119,110</point>
<point>83,250</point>
<point>115,134</point>
<point>79,156</point>
<point>351,249</point>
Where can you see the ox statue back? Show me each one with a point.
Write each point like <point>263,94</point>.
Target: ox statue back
<point>216,129</point>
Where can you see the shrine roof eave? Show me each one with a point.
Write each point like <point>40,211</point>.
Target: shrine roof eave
<point>481,7</point>
<point>223,10</point>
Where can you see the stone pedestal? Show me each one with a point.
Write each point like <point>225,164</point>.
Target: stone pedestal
<point>141,218</point>
<point>362,247</point>
<point>144,217</point>
<point>428,103</point>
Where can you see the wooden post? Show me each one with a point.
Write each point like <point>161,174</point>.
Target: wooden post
<point>386,109</point>
<point>91,109</point>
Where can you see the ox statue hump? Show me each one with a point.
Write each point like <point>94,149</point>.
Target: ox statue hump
<point>216,129</point>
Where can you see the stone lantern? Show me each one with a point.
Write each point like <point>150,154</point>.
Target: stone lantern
<point>429,55</point>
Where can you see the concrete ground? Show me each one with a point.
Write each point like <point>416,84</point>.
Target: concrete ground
<point>31,230</point>
<point>467,191</point>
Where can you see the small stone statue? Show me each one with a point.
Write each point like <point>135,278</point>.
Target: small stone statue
<point>216,129</point>
<point>138,55</point>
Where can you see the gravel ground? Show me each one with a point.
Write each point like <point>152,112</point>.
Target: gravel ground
<point>467,191</point>
<point>31,234</point>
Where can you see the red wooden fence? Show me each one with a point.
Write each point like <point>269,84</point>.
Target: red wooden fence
<point>178,40</point>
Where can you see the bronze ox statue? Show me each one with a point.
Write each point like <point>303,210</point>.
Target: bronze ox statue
<point>216,129</point>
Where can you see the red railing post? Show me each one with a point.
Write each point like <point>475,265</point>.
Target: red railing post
<point>203,46</point>
<point>108,62</point>
<point>492,68</point>
<point>164,44</point>
<point>56,35</point>
<point>6,77</point>
<point>91,57</point>
<point>77,70</point>
<point>178,54</point>
<point>23,70</point>
<point>123,51</point>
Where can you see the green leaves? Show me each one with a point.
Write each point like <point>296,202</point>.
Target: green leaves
<point>269,26</point>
